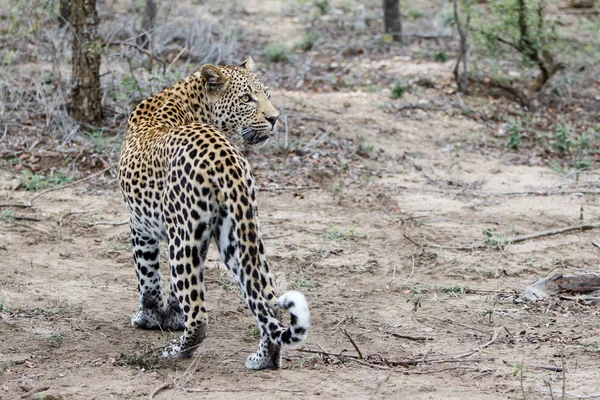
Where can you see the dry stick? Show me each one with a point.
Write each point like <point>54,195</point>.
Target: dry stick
<point>34,391</point>
<point>360,356</point>
<point>535,192</point>
<point>23,218</point>
<point>35,228</point>
<point>483,346</point>
<point>192,390</point>
<point>94,223</point>
<point>60,220</point>
<point>596,244</point>
<point>401,336</point>
<point>15,205</point>
<point>159,389</point>
<point>583,227</point>
<point>405,363</point>
<point>281,188</point>
<point>40,194</point>
<point>554,369</point>
<point>564,394</point>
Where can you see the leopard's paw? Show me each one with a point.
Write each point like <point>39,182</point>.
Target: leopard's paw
<point>146,319</point>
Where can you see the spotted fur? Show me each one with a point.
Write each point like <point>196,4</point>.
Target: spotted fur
<point>185,182</point>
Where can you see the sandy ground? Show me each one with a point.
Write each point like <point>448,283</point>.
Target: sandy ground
<point>68,288</point>
<point>388,247</point>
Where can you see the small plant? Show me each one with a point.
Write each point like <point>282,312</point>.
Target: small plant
<point>514,136</point>
<point>341,234</point>
<point>277,52</point>
<point>415,300</point>
<point>584,163</point>
<point>337,191</point>
<point>456,289</point>
<point>103,144</point>
<point>495,239</point>
<point>415,14</point>
<point>6,366</point>
<point>399,89</point>
<point>309,41</point>
<point>519,368</point>
<point>55,338</point>
<point>34,182</point>
<point>303,283</point>
<point>441,56</point>
<point>3,306</point>
<point>8,215</point>
<point>365,149</point>
<point>119,246</point>
<point>253,332</point>
<point>144,360</point>
<point>322,6</point>
<point>563,138</point>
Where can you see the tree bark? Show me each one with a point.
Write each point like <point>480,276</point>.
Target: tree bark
<point>87,95</point>
<point>64,12</point>
<point>391,19</point>
<point>148,23</point>
<point>463,27</point>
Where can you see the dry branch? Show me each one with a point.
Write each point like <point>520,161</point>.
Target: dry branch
<point>34,391</point>
<point>117,223</point>
<point>583,227</point>
<point>559,283</point>
<point>409,337</point>
<point>15,205</point>
<point>360,356</point>
<point>282,188</point>
<point>159,389</point>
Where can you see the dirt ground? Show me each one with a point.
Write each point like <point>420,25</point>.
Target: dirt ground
<point>393,247</point>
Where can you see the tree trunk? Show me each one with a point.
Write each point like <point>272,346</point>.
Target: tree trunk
<point>64,12</point>
<point>148,23</point>
<point>86,103</point>
<point>391,19</point>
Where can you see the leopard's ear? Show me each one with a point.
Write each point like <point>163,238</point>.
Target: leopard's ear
<point>215,79</point>
<point>248,64</point>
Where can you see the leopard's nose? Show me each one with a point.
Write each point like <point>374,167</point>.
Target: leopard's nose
<point>273,120</point>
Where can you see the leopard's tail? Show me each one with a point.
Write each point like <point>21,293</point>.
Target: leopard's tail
<point>296,304</point>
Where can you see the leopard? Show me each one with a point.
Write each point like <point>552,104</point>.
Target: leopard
<point>186,183</point>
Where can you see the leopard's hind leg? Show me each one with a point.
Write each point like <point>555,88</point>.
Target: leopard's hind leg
<point>146,256</point>
<point>187,222</point>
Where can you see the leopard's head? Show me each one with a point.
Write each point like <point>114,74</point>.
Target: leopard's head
<point>239,101</point>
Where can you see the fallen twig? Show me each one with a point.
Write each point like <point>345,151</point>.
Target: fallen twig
<point>559,283</point>
<point>591,396</point>
<point>554,369</point>
<point>360,356</point>
<point>34,391</point>
<point>281,188</point>
<point>409,337</point>
<point>534,192</point>
<point>583,227</point>
<point>159,389</point>
<point>193,390</point>
<point>24,218</point>
<point>15,205</point>
<point>402,363</point>
<point>94,223</point>
<point>35,228</point>
<point>60,220</point>
<point>596,244</point>
<point>483,346</point>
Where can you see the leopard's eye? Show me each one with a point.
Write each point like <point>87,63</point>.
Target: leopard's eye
<point>246,98</point>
